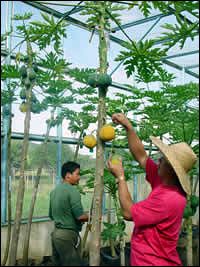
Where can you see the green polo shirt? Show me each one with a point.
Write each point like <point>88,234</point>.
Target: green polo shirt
<point>65,206</point>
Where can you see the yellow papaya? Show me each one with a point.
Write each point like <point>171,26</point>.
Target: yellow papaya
<point>107,133</point>
<point>89,141</point>
<point>23,107</point>
<point>115,159</point>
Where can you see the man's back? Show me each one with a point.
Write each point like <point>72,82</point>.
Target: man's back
<point>65,207</point>
<point>157,222</point>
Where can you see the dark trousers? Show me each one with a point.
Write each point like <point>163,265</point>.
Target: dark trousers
<point>66,248</point>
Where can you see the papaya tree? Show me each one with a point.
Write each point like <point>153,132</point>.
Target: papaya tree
<point>99,18</point>
<point>27,75</point>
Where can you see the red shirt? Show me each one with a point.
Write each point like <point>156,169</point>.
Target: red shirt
<point>157,222</point>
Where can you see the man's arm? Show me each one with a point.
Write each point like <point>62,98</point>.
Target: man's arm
<point>135,145</point>
<point>125,199</point>
<point>83,218</point>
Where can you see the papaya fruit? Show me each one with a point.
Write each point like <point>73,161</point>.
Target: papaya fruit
<point>107,133</point>
<point>35,67</point>
<point>26,58</point>
<point>27,83</point>
<point>101,80</point>
<point>32,75</point>
<point>115,159</point>
<point>23,71</point>
<point>23,106</point>
<point>22,93</point>
<point>187,212</point>
<point>33,98</point>
<point>89,141</point>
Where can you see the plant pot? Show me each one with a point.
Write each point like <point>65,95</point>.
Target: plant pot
<point>107,259</point>
<point>182,243</point>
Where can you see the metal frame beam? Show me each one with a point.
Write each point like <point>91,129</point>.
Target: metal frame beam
<point>192,66</point>
<point>173,65</point>
<point>112,38</point>
<point>182,54</point>
<point>141,21</point>
<point>64,140</point>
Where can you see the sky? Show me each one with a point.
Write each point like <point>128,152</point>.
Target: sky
<point>83,54</point>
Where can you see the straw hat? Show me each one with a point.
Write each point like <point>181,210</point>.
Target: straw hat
<point>182,159</point>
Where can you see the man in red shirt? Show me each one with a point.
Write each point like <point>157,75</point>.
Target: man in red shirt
<point>158,218</point>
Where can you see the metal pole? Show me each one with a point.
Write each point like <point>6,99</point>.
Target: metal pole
<point>6,112</point>
<point>183,71</point>
<point>134,175</point>
<point>59,150</point>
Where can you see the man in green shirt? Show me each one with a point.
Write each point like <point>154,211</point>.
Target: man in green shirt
<point>67,212</point>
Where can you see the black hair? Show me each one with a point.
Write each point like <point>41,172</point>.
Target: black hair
<point>69,166</point>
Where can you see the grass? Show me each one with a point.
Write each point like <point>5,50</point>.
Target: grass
<point>46,185</point>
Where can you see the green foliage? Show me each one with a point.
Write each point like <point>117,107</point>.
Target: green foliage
<point>8,95</point>
<point>112,231</point>
<point>26,16</point>
<point>166,6</point>
<point>9,72</point>
<point>144,60</point>
<point>191,206</point>
<point>48,32</point>
<point>123,103</point>
<point>169,113</point>
<point>179,33</point>
<point>81,75</point>
<point>94,10</point>
<point>194,201</point>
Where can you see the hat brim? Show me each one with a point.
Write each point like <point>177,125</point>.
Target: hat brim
<point>179,170</point>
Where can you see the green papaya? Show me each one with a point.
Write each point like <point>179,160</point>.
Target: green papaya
<point>26,58</point>
<point>35,67</point>
<point>32,75</point>
<point>27,83</point>
<point>101,80</point>
<point>22,94</point>
<point>34,98</point>
<point>23,71</point>
<point>187,212</point>
<point>194,210</point>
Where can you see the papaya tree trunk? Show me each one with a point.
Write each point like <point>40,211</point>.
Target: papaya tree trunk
<point>5,258</point>
<point>112,243</point>
<point>88,228</point>
<point>37,180</point>
<point>189,253</point>
<point>121,238</point>
<point>95,243</point>
<point>150,148</point>
<point>21,184</point>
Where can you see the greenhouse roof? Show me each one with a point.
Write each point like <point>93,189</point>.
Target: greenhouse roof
<point>136,26</point>
<point>82,51</point>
